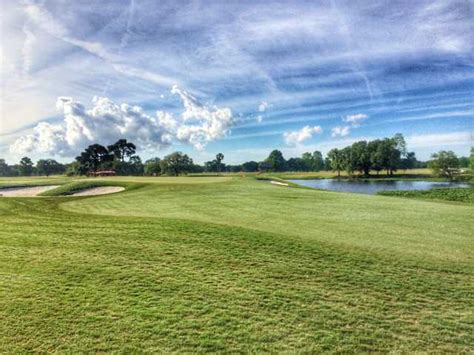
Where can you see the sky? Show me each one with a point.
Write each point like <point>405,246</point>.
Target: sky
<point>237,77</point>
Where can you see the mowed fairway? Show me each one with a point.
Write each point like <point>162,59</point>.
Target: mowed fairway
<point>234,264</point>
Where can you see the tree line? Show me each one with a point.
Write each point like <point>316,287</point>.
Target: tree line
<point>362,157</point>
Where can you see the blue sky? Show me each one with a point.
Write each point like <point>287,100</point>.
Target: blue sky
<point>238,77</point>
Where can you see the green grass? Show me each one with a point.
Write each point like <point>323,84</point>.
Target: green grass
<point>445,194</point>
<point>234,265</point>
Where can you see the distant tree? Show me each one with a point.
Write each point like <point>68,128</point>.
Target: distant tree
<point>400,144</point>
<point>176,164</point>
<point>276,160</point>
<point>360,157</point>
<point>337,160</point>
<point>92,158</point>
<point>327,164</point>
<point>219,159</point>
<point>307,159</point>
<point>25,167</point>
<point>296,164</point>
<point>152,167</point>
<point>471,158</point>
<point>73,168</point>
<point>409,162</point>
<point>318,161</point>
<point>250,166</point>
<point>135,166</point>
<point>48,167</point>
<point>444,163</point>
<point>464,162</point>
<point>265,166</point>
<point>122,149</point>
<point>5,169</point>
<point>377,155</point>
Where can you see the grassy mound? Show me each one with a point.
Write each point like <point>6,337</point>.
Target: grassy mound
<point>448,194</point>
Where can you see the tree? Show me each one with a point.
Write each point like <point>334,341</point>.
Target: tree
<point>176,163</point>
<point>318,161</point>
<point>49,166</point>
<point>445,163</point>
<point>92,158</point>
<point>296,164</point>
<point>152,167</point>
<point>409,162</point>
<point>5,169</point>
<point>276,161</point>
<point>219,159</point>
<point>360,157</point>
<point>122,149</point>
<point>472,158</point>
<point>337,160</point>
<point>308,161</point>
<point>250,166</point>
<point>26,167</point>
<point>377,158</point>
<point>400,144</point>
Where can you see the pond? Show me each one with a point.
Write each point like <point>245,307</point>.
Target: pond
<point>371,187</point>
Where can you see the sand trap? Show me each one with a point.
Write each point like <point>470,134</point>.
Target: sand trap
<point>99,191</point>
<point>25,191</point>
<point>278,183</point>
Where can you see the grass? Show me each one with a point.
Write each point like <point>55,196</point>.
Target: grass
<point>234,265</point>
<point>445,194</point>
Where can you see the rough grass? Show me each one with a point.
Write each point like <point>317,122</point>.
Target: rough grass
<point>446,194</point>
<point>77,186</point>
<point>239,266</point>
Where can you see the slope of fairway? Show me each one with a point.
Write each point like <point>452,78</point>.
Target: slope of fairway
<point>238,266</point>
<point>391,225</point>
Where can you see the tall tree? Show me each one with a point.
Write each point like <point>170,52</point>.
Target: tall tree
<point>122,149</point>
<point>92,158</point>
<point>176,163</point>
<point>26,166</point>
<point>219,159</point>
<point>5,169</point>
<point>444,163</point>
<point>152,166</point>
<point>318,161</point>
<point>49,166</point>
<point>336,157</point>
<point>276,161</point>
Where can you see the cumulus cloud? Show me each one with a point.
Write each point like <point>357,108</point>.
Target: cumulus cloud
<point>355,120</point>
<point>299,136</point>
<point>201,124</point>
<point>263,106</point>
<point>340,131</point>
<point>106,122</point>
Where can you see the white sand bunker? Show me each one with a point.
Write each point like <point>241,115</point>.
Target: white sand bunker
<point>278,183</point>
<point>25,191</point>
<point>103,190</point>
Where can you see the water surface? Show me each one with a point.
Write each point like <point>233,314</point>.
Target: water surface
<point>373,186</point>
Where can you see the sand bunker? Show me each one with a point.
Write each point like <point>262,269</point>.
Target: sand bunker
<point>278,183</point>
<point>25,191</point>
<point>103,190</point>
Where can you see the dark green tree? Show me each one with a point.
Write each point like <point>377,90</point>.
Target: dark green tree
<point>153,167</point>
<point>318,161</point>
<point>250,166</point>
<point>122,149</point>
<point>176,164</point>
<point>92,158</point>
<point>276,161</point>
<point>219,159</point>
<point>444,163</point>
<point>337,160</point>
<point>49,166</point>
<point>25,167</point>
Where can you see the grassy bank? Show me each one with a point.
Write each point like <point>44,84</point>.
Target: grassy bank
<point>234,264</point>
<point>442,194</point>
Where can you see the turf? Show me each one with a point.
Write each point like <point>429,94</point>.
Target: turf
<point>234,265</point>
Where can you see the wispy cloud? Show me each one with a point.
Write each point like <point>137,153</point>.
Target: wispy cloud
<point>295,137</point>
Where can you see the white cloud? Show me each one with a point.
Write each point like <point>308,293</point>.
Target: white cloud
<point>340,131</point>
<point>259,118</point>
<point>305,133</point>
<point>263,106</point>
<point>207,124</point>
<point>439,140</point>
<point>106,122</point>
<point>355,120</point>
